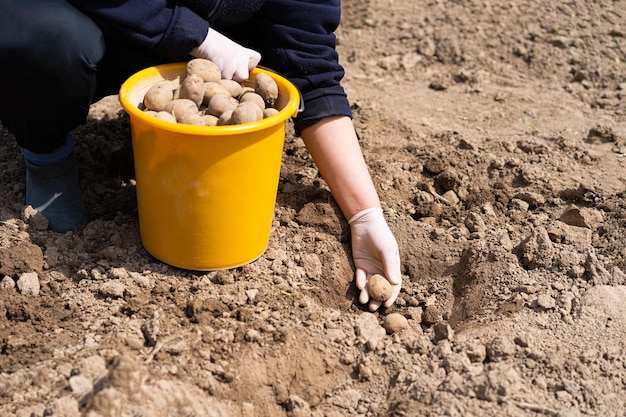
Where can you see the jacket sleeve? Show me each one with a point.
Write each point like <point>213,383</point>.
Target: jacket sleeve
<point>166,28</point>
<point>296,39</point>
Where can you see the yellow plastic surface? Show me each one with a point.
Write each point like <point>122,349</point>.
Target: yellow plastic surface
<point>205,195</point>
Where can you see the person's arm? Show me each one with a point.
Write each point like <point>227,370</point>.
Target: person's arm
<point>333,145</point>
<point>166,28</point>
<point>296,39</point>
<point>172,31</point>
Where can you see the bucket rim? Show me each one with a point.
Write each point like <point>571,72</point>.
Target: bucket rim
<point>163,71</point>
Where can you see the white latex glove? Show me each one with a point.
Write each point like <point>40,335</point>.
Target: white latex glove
<point>234,60</point>
<point>375,251</point>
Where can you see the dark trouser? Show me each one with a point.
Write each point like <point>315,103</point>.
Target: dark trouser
<point>55,62</point>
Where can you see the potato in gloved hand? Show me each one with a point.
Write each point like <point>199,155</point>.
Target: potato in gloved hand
<point>379,288</point>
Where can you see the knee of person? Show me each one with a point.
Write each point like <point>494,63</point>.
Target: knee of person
<point>64,37</point>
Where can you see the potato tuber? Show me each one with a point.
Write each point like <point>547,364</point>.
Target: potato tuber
<point>395,322</point>
<point>158,96</point>
<point>206,69</point>
<point>246,113</point>
<point>213,88</point>
<point>267,88</point>
<point>192,88</point>
<point>233,87</point>
<point>219,103</point>
<point>181,106</point>
<point>268,112</point>
<point>193,119</point>
<point>251,97</point>
<point>379,288</point>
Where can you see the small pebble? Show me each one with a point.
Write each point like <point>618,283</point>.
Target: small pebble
<point>500,348</point>
<point>113,289</point>
<point>7,283</point>
<point>80,385</point>
<point>476,351</point>
<point>546,302</point>
<point>28,283</point>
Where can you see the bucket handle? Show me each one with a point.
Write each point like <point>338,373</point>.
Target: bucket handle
<point>301,101</point>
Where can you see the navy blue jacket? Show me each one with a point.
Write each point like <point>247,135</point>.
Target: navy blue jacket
<point>295,38</point>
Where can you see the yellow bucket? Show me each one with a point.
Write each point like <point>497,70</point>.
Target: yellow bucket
<point>205,195</point>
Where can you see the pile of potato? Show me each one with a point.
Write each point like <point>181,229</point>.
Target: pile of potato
<point>203,98</point>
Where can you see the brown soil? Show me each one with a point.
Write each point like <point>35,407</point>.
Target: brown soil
<point>495,132</point>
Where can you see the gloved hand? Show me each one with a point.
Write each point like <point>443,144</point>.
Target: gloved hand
<point>375,251</point>
<point>234,60</point>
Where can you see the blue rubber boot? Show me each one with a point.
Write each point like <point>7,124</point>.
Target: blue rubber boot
<point>54,191</point>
